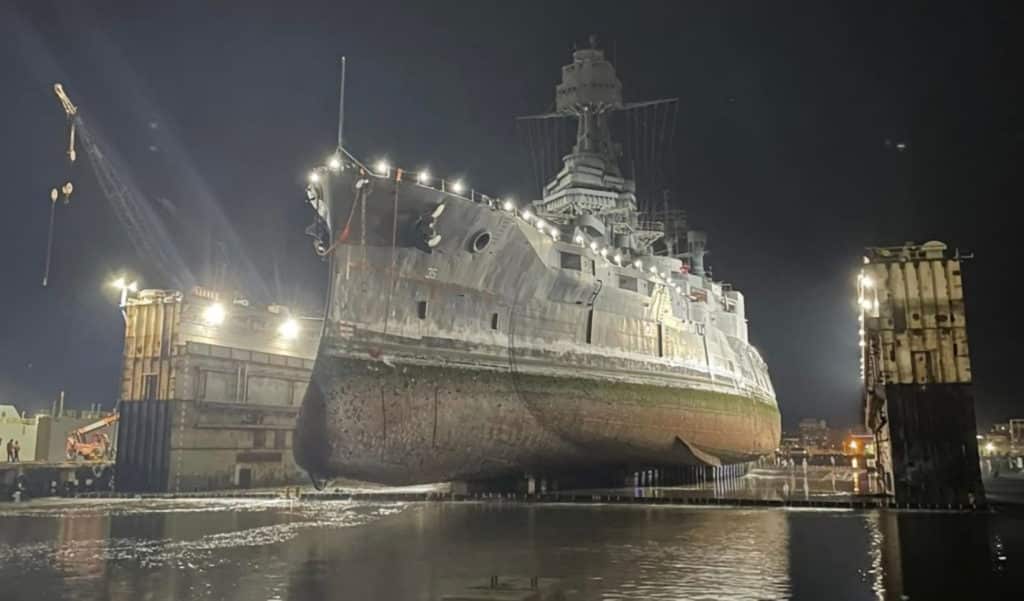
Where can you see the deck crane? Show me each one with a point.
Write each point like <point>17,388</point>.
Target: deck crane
<point>72,115</point>
<point>87,443</point>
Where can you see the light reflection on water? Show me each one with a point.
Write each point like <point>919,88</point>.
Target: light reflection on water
<point>245,550</point>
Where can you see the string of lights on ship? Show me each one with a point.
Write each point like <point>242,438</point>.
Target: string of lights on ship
<point>382,169</point>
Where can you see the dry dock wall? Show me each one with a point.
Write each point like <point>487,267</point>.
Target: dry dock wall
<point>187,446</point>
<point>915,363</point>
<point>209,404</point>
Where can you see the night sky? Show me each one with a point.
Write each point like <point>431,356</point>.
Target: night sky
<point>786,154</point>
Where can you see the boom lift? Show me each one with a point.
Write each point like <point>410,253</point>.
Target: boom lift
<point>87,443</point>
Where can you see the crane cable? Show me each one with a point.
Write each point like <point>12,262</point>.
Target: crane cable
<point>71,111</point>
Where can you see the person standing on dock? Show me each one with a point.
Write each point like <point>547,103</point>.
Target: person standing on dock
<point>10,450</point>
<point>17,451</point>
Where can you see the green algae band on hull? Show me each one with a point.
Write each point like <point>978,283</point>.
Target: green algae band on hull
<point>468,338</point>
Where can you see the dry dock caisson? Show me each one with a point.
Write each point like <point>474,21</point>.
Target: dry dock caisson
<point>467,338</point>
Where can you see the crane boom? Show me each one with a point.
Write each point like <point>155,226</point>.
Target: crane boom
<point>144,228</point>
<point>96,425</point>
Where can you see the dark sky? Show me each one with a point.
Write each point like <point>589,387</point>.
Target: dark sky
<point>215,111</point>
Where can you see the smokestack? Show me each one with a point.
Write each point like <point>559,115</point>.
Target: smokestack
<point>696,245</point>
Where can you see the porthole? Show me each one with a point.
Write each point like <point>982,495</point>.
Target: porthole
<point>480,241</point>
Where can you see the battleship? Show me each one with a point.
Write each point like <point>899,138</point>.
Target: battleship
<point>467,337</point>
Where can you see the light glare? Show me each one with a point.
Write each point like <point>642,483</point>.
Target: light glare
<point>214,314</point>
<point>289,329</point>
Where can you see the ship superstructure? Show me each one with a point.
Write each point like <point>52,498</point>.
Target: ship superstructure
<point>468,338</point>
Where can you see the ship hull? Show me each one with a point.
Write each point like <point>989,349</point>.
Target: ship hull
<point>420,423</point>
<point>453,362</point>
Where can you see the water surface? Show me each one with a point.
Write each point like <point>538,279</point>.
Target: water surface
<point>318,550</point>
